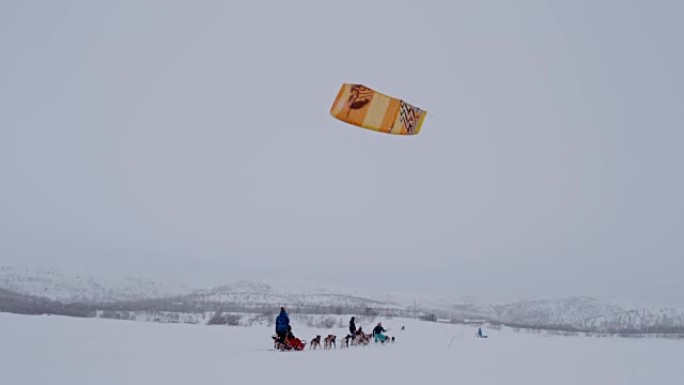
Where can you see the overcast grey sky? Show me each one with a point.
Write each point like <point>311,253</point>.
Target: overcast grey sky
<point>192,140</point>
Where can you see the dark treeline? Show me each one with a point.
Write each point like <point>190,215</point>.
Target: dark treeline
<point>182,305</point>
<point>11,302</point>
<point>573,330</point>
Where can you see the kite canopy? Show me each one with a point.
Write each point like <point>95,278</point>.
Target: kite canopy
<point>361,106</point>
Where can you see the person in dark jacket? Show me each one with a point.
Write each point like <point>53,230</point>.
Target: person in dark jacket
<point>282,325</point>
<point>352,327</point>
<point>377,333</point>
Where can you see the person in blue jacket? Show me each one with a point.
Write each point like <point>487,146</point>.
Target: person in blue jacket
<point>282,325</point>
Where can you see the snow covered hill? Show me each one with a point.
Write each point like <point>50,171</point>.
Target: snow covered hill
<point>57,286</point>
<point>259,295</point>
<point>666,320</point>
<point>555,312</point>
<point>41,291</point>
<point>52,284</point>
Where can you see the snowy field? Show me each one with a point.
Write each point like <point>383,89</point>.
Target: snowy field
<point>63,350</point>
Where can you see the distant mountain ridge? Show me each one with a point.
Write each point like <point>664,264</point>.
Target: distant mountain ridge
<point>39,291</point>
<point>54,285</point>
<point>555,312</point>
<point>137,292</point>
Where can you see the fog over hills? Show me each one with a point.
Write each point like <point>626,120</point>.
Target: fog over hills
<point>58,286</point>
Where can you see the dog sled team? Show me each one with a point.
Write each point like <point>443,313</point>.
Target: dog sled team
<point>286,340</point>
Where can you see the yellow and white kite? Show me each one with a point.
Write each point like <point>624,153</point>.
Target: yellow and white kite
<point>361,106</point>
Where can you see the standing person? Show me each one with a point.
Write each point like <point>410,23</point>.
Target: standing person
<point>282,325</point>
<point>352,327</point>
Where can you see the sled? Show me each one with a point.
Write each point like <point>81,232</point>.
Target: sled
<point>291,343</point>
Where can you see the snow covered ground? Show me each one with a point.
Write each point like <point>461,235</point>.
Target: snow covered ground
<point>63,350</point>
